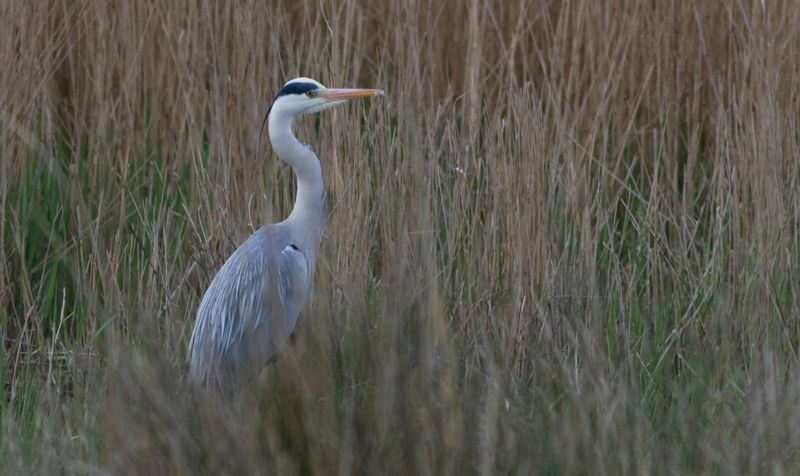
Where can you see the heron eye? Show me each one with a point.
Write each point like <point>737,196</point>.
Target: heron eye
<point>310,94</point>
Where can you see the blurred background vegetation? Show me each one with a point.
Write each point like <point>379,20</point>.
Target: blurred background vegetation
<point>565,242</point>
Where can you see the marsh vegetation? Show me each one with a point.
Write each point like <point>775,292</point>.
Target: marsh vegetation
<point>565,242</point>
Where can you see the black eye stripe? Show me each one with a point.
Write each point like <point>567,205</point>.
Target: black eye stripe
<point>296,88</point>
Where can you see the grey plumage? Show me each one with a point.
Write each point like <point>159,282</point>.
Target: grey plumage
<point>250,308</point>
<point>253,303</point>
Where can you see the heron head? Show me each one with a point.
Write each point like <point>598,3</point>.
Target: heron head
<point>304,95</point>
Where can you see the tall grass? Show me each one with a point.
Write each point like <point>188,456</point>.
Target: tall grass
<point>565,242</point>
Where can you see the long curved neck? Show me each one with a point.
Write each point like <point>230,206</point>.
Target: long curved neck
<point>308,215</point>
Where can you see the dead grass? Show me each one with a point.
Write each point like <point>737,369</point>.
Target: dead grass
<point>565,242</point>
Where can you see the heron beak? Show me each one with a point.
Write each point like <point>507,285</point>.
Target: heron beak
<point>334,94</point>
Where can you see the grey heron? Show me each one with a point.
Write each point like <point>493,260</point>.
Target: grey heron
<point>252,305</point>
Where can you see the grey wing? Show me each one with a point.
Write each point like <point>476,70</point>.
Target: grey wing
<point>249,310</point>
<point>293,272</point>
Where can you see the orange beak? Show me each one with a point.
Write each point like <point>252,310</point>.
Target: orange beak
<point>334,94</point>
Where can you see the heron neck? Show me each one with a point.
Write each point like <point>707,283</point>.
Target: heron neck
<point>308,213</point>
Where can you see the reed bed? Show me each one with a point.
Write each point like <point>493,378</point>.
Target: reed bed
<point>565,241</point>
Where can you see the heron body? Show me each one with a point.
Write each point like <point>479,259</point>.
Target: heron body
<point>253,303</point>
